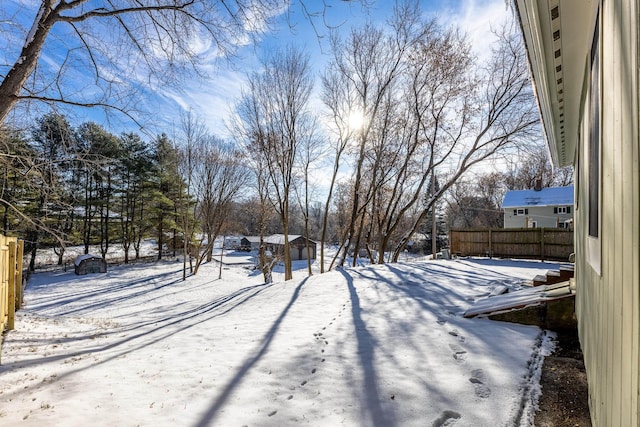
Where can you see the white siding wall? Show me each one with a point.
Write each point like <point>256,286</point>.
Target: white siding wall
<point>608,304</point>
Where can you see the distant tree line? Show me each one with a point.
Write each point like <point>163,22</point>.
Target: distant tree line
<point>65,185</point>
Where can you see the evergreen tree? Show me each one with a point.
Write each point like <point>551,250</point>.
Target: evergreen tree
<point>15,172</point>
<point>50,207</point>
<point>102,152</point>
<point>166,186</point>
<point>134,171</point>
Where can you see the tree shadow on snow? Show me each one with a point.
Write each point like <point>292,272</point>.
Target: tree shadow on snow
<point>372,409</point>
<point>52,301</point>
<point>208,418</point>
<point>163,328</point>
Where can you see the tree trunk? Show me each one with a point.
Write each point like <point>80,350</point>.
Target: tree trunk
<point>13,82</point>
<point>160,234</point>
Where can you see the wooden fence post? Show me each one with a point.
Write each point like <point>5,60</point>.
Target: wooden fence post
<point>490,245</point>
<point>542,244</point>
<point>12,285</point>
<point>4,286</point>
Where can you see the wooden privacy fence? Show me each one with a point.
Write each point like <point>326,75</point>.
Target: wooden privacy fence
<point>11,250</point>
<point>528,243</point>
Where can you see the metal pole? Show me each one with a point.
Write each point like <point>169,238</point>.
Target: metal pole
<point>221,252</point>
<point>434,229</point>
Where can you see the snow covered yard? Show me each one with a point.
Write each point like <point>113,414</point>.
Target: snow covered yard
<point>372,346</point>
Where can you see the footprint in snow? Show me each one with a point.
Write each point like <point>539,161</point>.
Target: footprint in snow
<point>447,418</point>
<point>459,353</point>
<point>456,334</point>
<point>441,321</point>
<point>478,380</point>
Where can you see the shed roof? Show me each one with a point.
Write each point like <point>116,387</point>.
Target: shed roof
<point>81,258</point>
<point>278,239</point>
<point>550,196</point>
<point>252,239</point>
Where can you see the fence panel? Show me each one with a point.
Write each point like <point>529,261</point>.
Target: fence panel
<point>11,250</point>
<point>4,283</point>
<point>527,243</point>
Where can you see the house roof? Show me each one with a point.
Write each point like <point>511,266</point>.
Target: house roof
<point>558,38</point>
<point>252,239</point>
<point>550,196</point>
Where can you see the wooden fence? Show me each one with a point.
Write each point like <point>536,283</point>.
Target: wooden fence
<point>11,250</point>
<point>528,243</point>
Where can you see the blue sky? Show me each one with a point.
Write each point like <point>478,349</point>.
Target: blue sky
<point>213,98</point>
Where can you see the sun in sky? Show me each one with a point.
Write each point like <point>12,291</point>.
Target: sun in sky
<point>356,120</point>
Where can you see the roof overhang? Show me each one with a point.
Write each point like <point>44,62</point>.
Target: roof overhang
<point>558,36</point>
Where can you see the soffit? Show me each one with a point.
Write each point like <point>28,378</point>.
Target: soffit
<point>558,35</point>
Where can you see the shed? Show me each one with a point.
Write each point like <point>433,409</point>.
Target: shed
<point>232,242</point>
<point>251,243</point>
<point>88,263</point>
<point>297,244</point>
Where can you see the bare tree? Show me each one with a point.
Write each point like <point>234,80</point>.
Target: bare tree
<point>249,131</point>
<point>159,38</point>
<point>369,62</point>
<point>272,117</point>
<point>533,165</point>
<point>220,175</point>
<point>501,113</point>
<point>193,133</point>
<point>476,203</point>
<point>340,100</point>
<point>309,153</point>
<point>430,109</point>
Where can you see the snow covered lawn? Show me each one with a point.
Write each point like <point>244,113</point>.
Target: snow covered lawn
<point>372,346</point>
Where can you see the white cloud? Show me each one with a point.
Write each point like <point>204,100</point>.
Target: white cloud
<point>212,100</point>
<point>478,18</point>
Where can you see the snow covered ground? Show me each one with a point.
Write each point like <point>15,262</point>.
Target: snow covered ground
<point>371,346</point>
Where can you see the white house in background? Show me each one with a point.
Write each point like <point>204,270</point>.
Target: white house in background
<point>584,57</point>
<point>550,207</point>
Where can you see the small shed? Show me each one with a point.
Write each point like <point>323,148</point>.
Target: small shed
<point>88,263</point>
<point>232,242</point>
<point>297,244</point>
<point>250,243</point>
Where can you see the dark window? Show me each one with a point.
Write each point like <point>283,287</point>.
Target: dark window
<point>594,135</point>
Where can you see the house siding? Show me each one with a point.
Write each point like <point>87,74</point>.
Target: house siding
<point>543,215</point>
<point>608,304</point>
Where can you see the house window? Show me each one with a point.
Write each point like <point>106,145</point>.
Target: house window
<point>562,210</point>
<point>517,212</point>
<point>594,136</point>
<point>593,147</point>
